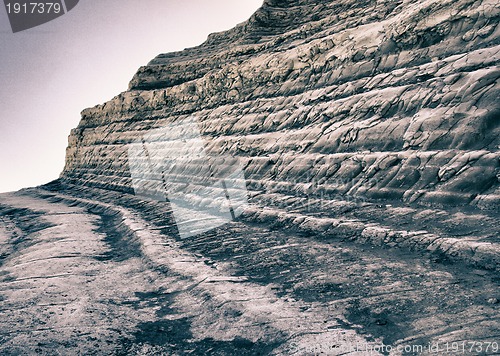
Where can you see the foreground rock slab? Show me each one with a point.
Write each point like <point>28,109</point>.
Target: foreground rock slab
<point>84,276</point>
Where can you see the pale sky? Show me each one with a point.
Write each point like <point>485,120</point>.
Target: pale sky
<point>50,73</point>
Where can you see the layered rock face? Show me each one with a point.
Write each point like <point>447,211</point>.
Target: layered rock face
<point>372,99</point>
<point>318,123</point>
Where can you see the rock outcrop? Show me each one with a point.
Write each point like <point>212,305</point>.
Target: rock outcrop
<point>372,99</point>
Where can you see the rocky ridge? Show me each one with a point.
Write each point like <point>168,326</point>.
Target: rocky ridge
<point>400,98</point>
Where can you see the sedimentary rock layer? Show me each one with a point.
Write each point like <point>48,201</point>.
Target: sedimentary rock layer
<point>374,99</point>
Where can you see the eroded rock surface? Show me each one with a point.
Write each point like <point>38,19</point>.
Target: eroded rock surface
<point>325,101</point>
<point>68,286</point>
